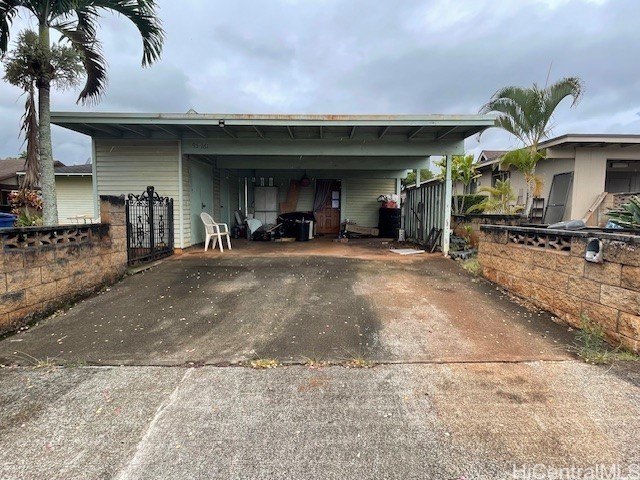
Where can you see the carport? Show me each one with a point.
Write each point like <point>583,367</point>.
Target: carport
<point>214,162</point>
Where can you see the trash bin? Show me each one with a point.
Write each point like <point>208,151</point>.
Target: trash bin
<point>302,233</point>
<point>7,220</point>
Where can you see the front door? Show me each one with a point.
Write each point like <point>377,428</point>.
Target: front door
<point>328,217</point>
<point>201,178</point>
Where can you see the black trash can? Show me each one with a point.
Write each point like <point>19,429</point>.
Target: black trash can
<point>302,230</point>
<point>389,222</point>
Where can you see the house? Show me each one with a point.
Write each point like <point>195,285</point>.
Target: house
<point>582,174</point>
<point>218,163</point>
<point>74,189</point>
<point>11,169</point>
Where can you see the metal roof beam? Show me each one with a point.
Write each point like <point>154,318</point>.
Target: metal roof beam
<point>320,131</point>
<point>226,130</point>
<point>104,129</point>
<point>446,132</point>
<point>326,147</point>
<point>353,132</point>
<point>290,130</point>
<point>196,131</point>
<point>143,132</point>
<point>259,132</point>
<point>383,130</point>
<point>169,130</point>
<point>415,132</point>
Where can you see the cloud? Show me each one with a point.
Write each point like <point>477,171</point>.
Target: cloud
<point>358,56</point>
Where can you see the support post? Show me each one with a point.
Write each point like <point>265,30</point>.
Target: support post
<point>246,197</point>
<point>94,181</point>
<point>446,222</point>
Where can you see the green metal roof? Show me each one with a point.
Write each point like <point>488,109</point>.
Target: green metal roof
<point>274,127</point>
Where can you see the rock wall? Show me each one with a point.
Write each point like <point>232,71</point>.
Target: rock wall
<point>45,268</point>
<point>549,269</point>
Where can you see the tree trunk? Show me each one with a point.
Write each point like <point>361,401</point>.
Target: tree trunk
<point>47,174</point>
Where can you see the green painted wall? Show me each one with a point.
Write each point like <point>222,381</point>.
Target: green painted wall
<point>361,199</point>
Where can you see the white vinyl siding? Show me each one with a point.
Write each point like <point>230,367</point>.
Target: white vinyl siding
<point>129,166</point>
<point>75,197</point>
<point>360,203</point>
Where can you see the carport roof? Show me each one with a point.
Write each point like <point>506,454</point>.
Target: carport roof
<point>274,126</point>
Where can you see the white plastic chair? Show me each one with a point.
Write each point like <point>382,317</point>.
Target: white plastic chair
<point>216,231</point>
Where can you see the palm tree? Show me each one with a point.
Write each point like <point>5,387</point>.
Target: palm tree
<point>526,114</point>
<point>499,201</point>
<point>76,21</point>
<point>464,171</point>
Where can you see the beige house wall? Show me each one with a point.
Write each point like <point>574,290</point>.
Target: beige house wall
<point>591,171</point>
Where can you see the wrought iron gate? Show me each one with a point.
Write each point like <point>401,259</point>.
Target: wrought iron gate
<point>149,226</point>
<point>424,210</point>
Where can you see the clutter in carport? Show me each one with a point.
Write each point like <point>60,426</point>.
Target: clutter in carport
<point>291,226</point>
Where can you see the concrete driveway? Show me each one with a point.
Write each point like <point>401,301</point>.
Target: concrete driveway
<point>323,301</point>
<point>469,385</point>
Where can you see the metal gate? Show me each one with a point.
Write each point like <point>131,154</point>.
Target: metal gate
<point>424,211</point>
<point>149,226</point>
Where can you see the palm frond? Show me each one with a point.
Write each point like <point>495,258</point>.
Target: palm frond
<point>142,13</point>
<point>526,112</point>
<point>8,11</point>
<point>29,129</point>
<point>554,94</point>
<point>92,59</point>
<point>523,159</point>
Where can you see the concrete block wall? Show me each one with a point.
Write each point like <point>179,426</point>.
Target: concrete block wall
<point>565,284</point>
<point>43,269</point>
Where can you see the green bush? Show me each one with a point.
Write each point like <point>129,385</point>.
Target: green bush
<point>627,215</point>
<point>469,201</point>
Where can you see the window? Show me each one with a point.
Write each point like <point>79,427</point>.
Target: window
<point>499,175</point>
<point>335,199</point>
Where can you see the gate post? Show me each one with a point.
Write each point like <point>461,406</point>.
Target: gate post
<point>128,227</point>
<point>152,236</point>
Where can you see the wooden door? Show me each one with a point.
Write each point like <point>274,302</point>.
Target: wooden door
<point>328,218</point>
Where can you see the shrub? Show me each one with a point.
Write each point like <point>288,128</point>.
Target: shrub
<point>499,201</point>
<point>469,201</point>
<point>627,215</point>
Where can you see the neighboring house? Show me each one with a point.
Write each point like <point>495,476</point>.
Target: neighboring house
<point>334,165</point>
<point>9,168</point>
<point>74,190</point>
<point>586,167</point>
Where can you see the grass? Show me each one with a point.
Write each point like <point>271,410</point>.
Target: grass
<point>359,362</point>
<point>314,362</point>
<point>40,363</point>
<point>472,266</point>
<point>264,363</point>
<point>592,347</point>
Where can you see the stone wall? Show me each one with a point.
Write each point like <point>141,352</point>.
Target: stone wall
<point>44,268</point>
<point>548,268</point>
<point>475,221</point>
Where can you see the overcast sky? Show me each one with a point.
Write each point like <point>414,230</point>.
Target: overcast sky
<point>364,56</point>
